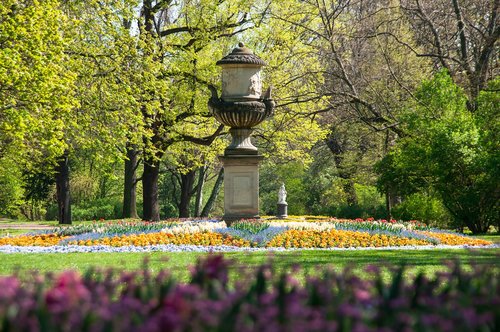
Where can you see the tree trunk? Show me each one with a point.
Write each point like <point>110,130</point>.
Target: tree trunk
<point>130,184</point>
<point>337,149</point>
<point>391,199</point>
<point>103,187</point>
<point>62,190</point>
<point>213,195</point>
<point>187,182</point>
<point>388,204</point>
<point>476,225</point>
<point>199,191</point>
<point>349,189</point>
<point>150,202</point>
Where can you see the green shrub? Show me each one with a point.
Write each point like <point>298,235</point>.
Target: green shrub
<point>107,208</point>
<point>424,208</point>
<point>370,204</point>
<point>93,213</point>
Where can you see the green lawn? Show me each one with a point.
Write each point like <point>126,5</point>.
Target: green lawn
<point>495,238</point>
<point>13,232</point>
<point>429,261</point>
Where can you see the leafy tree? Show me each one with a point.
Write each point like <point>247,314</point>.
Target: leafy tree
<point>36,90</point>
<point>12,194</point>
<point>106,114</point>
<point>451,151</point>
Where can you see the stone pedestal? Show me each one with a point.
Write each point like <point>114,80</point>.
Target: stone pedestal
<point>282,210</point>
<point>241,186</point>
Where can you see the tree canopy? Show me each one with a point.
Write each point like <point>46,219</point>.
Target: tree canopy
<point>103,107</point>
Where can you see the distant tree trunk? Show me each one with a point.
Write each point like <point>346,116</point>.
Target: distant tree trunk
<point>150,201</point>
<point>63,190</point>
<point>476,225</point>
<point>388,204</point>
<point>199,191</point>
<point>391,199</point>
<point>130,184</point>
<point>103,187</point>
<point>213,195</point>
<point>349,189</point>
<point>337,150</point>
<point>187,182</point>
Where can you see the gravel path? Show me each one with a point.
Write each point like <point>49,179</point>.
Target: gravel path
<point>5,224</point>
<point>24,227</point>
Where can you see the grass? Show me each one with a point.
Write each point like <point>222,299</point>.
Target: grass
<point>428,261</point>
<point>495,238</point>
<point>14,232</point>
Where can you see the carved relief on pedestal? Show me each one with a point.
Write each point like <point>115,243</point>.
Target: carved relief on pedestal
<point>255,86</point>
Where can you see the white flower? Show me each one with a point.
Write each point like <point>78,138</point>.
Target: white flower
<point>194,227</point>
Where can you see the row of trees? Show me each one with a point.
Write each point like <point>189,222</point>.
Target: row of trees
<point>116,91</point>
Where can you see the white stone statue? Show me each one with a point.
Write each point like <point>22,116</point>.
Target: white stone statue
<point>282,194</point>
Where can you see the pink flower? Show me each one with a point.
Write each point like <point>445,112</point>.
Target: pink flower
<point>68,292</point>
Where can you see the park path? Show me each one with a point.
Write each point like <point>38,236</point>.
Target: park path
<point>8,224</point>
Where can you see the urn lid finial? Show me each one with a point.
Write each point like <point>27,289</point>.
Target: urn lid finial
<point>241,55</point>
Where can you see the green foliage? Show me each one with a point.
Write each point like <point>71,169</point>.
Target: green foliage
<point>292,175</point>
<point>449,150</point>
<point>425,208</point>
<point>108,208</point>
<point>103,52</point>
<point>11,191</point>
<point>293,70</point>
<point>112,228</point>
<point>316,190</point>
<point>96,212</point>
<point>370,204</point>
<point>252,227</point>
<point>488,119</point>
<point>37,89</point>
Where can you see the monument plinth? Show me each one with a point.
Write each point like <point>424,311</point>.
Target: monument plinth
<point>241,107</point>
<point>241,186</point>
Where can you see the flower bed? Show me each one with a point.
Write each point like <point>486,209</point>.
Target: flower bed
<point>296,232</point>
<point>43,240</point>
<point>201,239</point>
<point>339,239</point>
<point>456,300</point>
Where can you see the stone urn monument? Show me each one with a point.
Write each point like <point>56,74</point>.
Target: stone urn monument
<point>241,106</point>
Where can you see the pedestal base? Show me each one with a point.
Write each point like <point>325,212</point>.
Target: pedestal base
<point>282,211</point>
<point>241,187</point>
<point>241,143</point>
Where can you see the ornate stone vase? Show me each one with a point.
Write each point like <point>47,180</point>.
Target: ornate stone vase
<point>241,105</point>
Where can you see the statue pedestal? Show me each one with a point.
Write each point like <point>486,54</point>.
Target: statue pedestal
<point>241,187</point>
<point>282,211</point>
